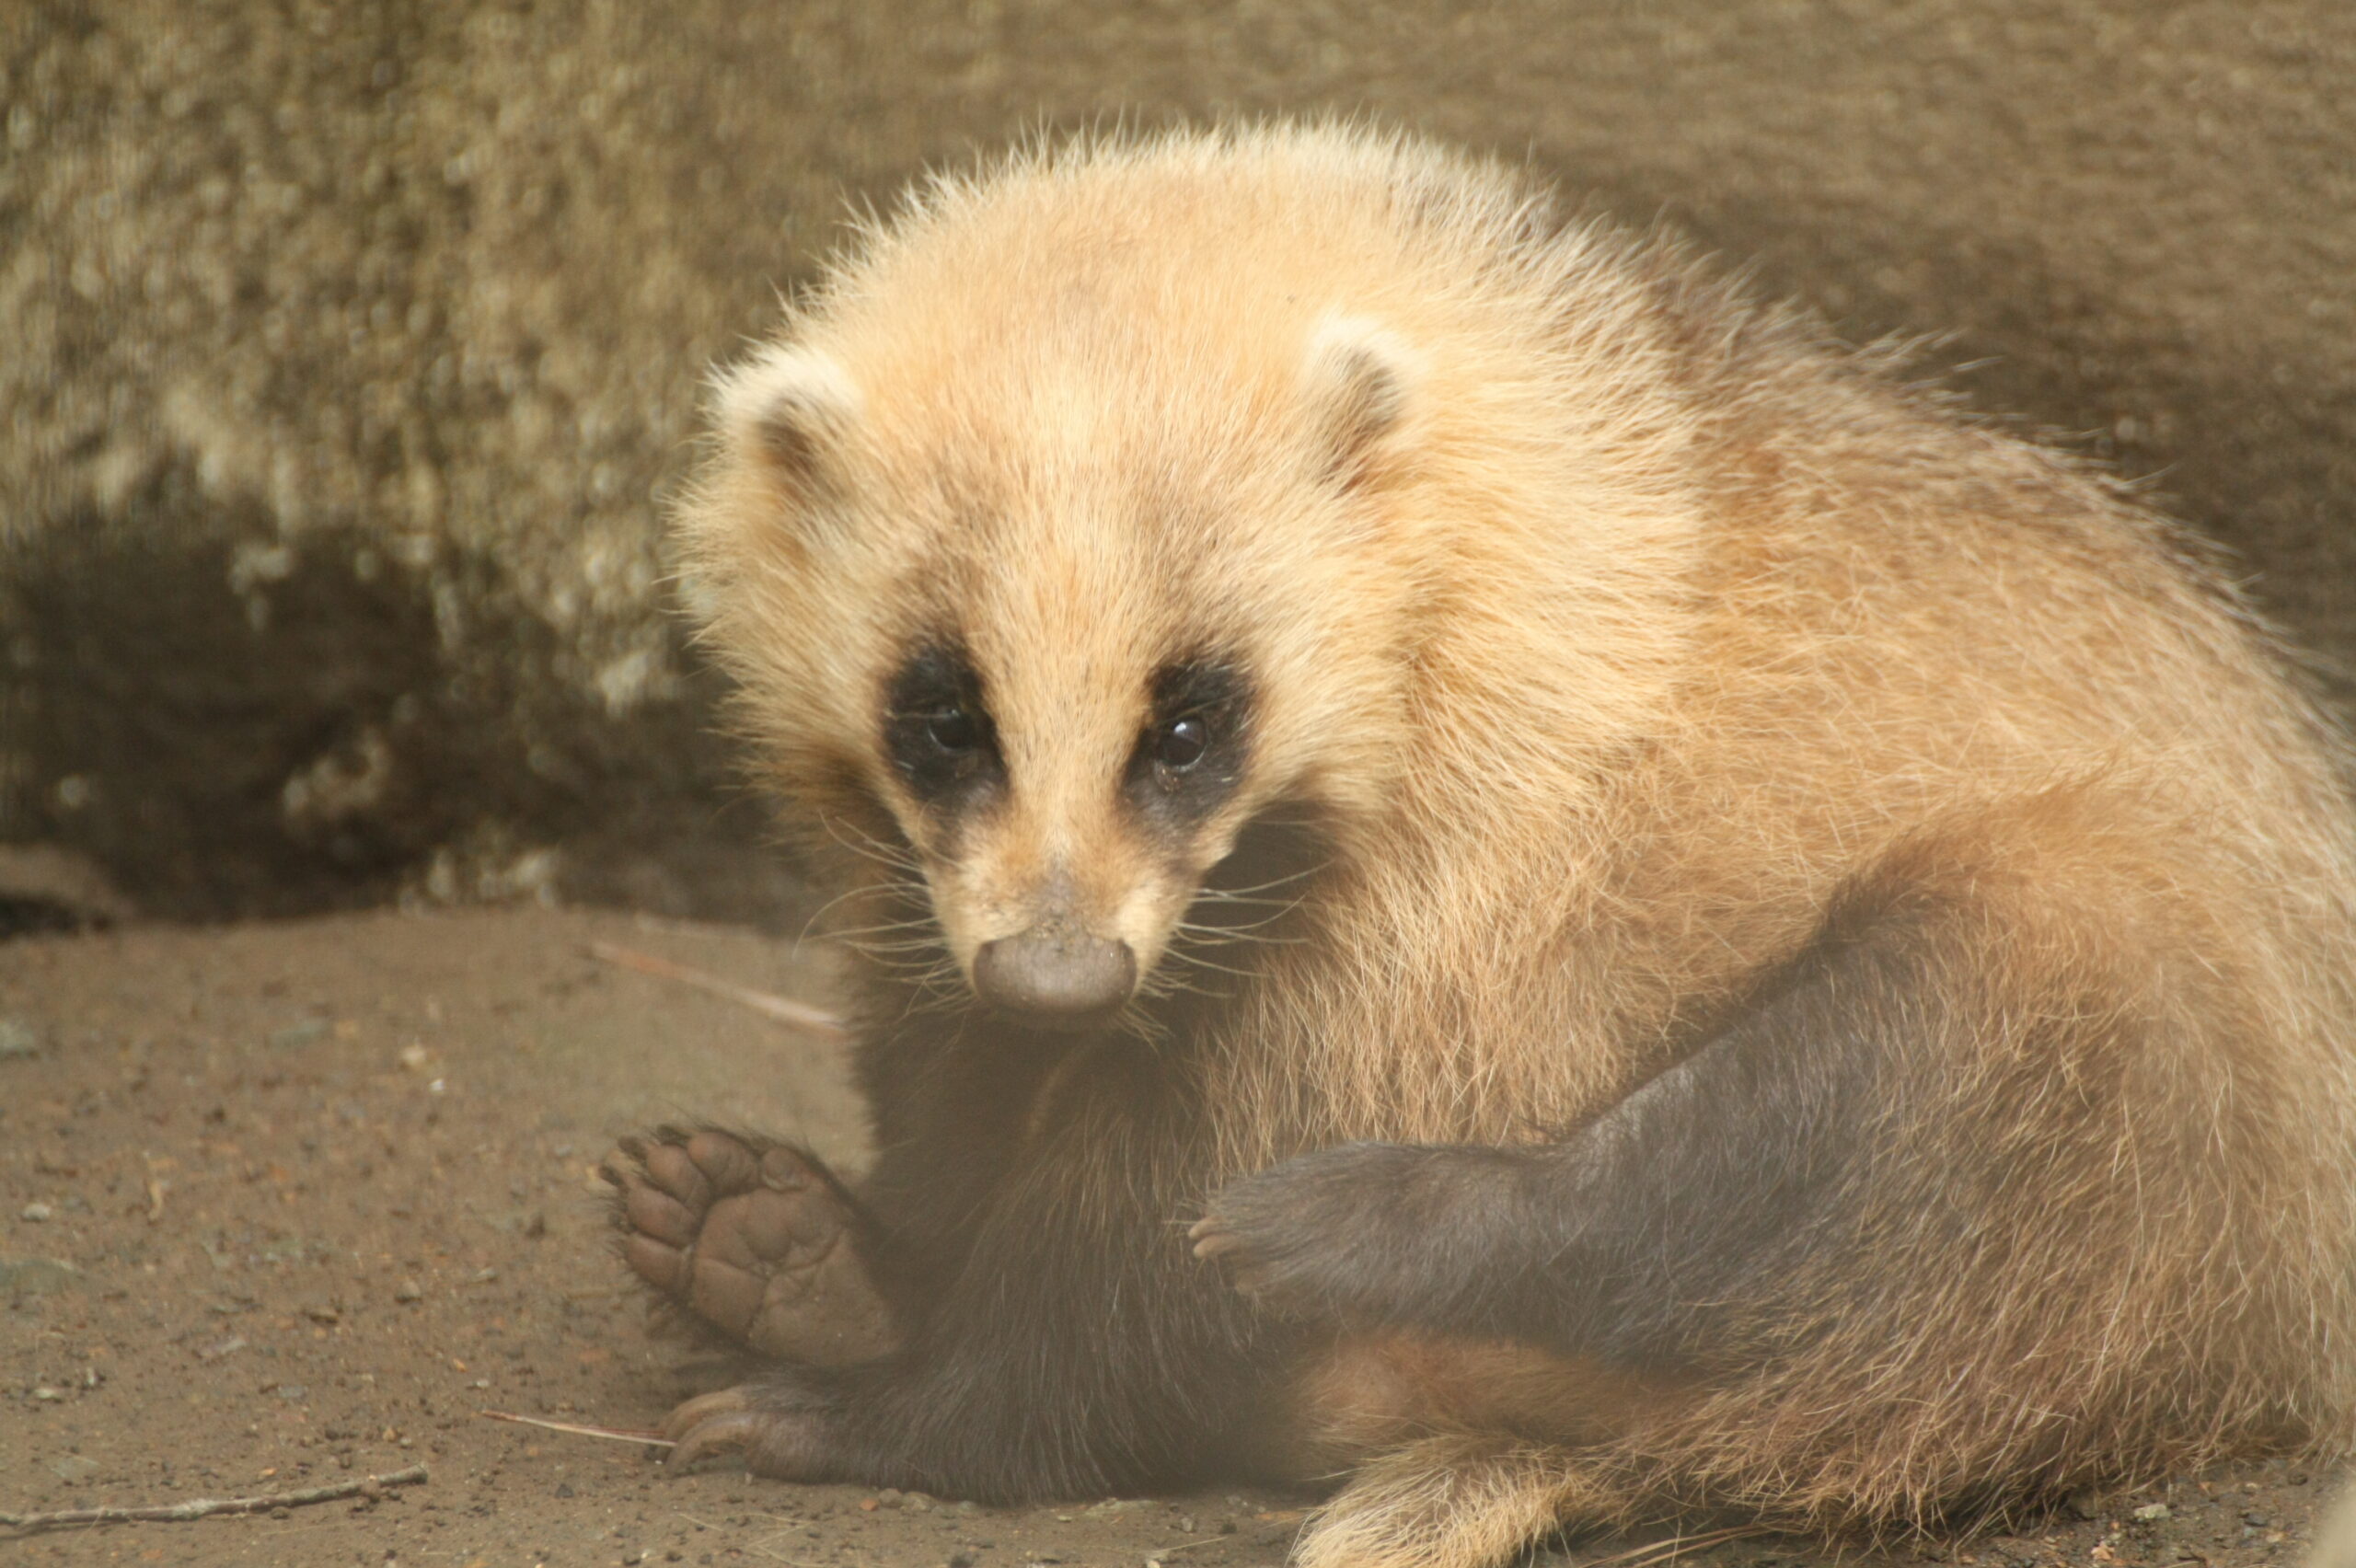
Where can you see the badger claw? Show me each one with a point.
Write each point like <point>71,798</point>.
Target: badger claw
<point>722,1423</point>
<point>781,1430</point>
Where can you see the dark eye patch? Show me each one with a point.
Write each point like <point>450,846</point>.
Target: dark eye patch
<point>937,728</point>
<point>1191,755</point>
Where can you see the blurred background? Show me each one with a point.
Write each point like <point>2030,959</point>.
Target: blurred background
<point>349,351</point>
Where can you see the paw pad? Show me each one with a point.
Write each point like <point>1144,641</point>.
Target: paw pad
<point>752,1239</point>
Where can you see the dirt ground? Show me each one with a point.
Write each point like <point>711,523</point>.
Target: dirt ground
<point>285,1206</point>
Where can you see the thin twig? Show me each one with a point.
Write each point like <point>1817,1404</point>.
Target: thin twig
<point>205,1508</point>
<point>784,1009</point>
<point>1265,1533</point>
<point>581,1429</point>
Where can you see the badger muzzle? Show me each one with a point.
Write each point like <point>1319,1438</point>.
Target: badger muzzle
<point>1058,973</point>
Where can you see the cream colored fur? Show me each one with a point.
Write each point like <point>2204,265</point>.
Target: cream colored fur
<point>1644,623</point>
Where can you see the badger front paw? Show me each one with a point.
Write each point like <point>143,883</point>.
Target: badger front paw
<point>1379,1234</point>
<point>754,1239</point>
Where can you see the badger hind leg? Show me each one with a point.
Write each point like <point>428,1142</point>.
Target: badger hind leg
<point>1454,1501</point>
<point>750,1238</point>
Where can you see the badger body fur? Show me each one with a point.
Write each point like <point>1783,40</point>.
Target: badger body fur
<point>1479,863</point>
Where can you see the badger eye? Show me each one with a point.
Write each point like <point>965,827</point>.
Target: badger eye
<point>955,731</point>
<point>1180,743</point>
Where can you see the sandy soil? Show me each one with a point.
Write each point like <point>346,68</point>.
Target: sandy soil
<point>284,1205</point>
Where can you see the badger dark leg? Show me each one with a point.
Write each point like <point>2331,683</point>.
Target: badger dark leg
<point>1066,1346</point>
<point>1652,1234</point>
<point>753,1238</point>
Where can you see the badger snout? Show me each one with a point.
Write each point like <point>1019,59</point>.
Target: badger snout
<point>1057,974</point>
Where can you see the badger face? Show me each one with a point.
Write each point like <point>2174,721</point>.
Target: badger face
<point>1057,900</point>
<point>1069,623</point>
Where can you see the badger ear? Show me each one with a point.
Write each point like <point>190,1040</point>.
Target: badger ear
<point>1360,380</point>
<point>787,411</point>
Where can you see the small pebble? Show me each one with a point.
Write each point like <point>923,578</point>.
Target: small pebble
<point>2152,1512</point>
<point>17,1039</point>
<point>409,1290</point>
<point>47,1395</point>
<point>37,1212</point>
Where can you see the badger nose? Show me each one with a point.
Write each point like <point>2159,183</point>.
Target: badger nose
<point>1055,974</point>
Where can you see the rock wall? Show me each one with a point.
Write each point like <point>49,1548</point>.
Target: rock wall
<point>352,347</point>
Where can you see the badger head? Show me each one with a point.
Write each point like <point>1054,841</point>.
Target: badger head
<point>1102,509</point>
<point>1036,622</point>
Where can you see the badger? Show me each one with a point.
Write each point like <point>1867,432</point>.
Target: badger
<point>1477,865</point>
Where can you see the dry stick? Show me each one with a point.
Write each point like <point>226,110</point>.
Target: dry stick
<point>204,1507</point>
<point>580,1429</point>
<point>1265,1533</point>
<point>784,1009</point>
